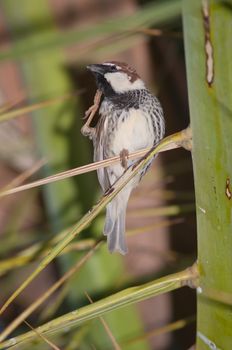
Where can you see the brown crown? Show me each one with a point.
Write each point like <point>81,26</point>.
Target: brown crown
<point>124,67</point>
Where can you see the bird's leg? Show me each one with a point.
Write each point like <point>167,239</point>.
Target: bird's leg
<point>124,154</point>
<point>86,129</point>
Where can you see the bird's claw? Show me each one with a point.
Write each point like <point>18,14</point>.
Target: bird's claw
<point>87,131</point>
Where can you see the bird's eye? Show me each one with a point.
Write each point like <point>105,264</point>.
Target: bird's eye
<point>110,67</point>
<point>113,68</point>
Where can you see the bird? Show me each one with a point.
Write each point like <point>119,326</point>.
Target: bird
<point>130,119</point>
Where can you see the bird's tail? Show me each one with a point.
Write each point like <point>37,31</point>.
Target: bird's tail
<point>114,227</point>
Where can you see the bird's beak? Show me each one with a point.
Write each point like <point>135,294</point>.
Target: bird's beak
<point>96,68</point>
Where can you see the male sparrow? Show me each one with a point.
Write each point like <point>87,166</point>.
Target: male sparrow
<point>131,119</point>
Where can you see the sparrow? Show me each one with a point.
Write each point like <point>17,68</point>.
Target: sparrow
<point>131,119</point>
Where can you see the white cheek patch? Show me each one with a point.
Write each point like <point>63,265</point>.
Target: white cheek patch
<point>121,82</point>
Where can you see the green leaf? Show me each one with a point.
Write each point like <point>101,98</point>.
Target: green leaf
<point>208,32</point>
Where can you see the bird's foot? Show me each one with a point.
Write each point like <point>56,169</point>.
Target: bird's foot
<point>124,154</point>
<point>87,131</point>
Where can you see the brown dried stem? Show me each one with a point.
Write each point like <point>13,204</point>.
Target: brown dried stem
<point>83,169</point>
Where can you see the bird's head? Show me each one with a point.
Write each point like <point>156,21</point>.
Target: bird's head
<point>116,78</point>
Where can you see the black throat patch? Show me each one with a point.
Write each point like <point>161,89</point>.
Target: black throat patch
<point>126,100</point>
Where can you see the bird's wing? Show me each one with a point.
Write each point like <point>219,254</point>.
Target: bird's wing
<point>99,151</point>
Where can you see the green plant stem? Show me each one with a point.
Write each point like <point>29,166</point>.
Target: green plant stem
<point>208,49</point>
<point>27,312</point>
<point>126,297</point>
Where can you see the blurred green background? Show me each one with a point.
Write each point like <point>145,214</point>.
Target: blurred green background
<point>44,48</point>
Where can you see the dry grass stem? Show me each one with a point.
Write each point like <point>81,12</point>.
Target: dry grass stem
<point>25,175</point>
<point>82,170</point>
<point>107,328</point>
<point>9,105</point>
<point>34,107</point>
<point>159,32</point>
<point>174,326</point>
<point>53,346</point>
<point>176,139</point>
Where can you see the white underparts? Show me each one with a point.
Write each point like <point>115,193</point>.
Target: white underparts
<point>133,133</point>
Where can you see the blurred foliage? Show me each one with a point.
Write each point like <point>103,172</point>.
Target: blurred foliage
<point>39,34</point>
<point>38,47</point>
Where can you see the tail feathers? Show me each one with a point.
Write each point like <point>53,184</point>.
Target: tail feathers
<point>109,221</point>
<point>115,231</point>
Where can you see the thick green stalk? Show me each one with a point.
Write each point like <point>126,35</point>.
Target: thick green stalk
<point>208,32</point>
